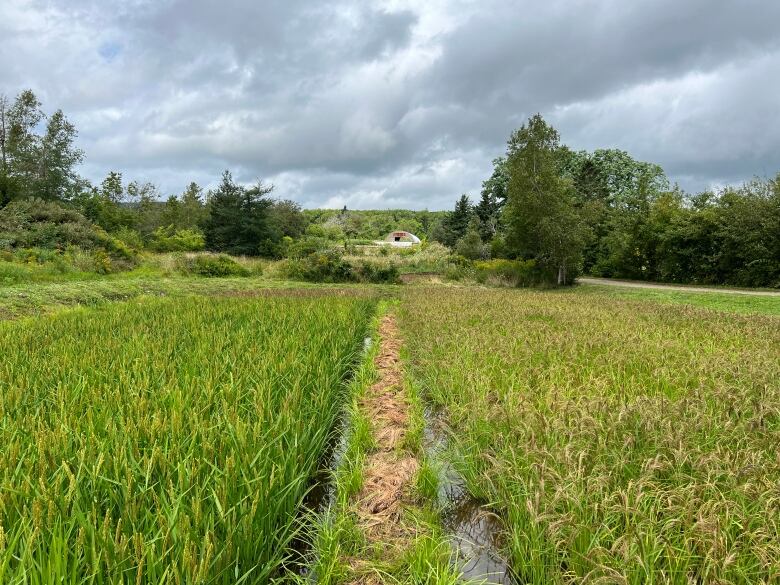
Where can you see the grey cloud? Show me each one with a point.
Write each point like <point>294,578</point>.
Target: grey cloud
<point>397,103</point>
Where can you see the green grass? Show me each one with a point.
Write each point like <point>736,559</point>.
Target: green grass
<point>18,273</point>
<point>621,440</point>
<point>734,303</point>
<point>166,441</point>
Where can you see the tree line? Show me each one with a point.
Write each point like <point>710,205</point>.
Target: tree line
<point>571,212</point>
<point>603,213</point>
<point>39,160</point>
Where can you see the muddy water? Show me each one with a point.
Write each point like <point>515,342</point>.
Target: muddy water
<point>475,532</point>
<point>322,492</point>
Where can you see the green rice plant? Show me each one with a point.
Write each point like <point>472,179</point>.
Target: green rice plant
<point>429,560</point>
<point>427,481</point>
<point>621,441</point>
<point>167,441</point>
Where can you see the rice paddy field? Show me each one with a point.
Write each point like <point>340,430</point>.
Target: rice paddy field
<point>169,431</point>
<point>620,440</point>
<point>167,440</point>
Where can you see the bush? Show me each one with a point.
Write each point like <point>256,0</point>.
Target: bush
<point>331,266</point>
<point>456,272</point>
<point>368,272</point>
<point>47,225</point>
<point>130,237</point>
<point>470,246</point>
<point>506,272</point>
<point>327,266</point>
<point>212,265</point>
<point>306,246</point>
<point>169,239</point>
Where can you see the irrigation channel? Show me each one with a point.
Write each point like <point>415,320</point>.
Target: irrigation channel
<point>322,491</point>
<point>474,533</point>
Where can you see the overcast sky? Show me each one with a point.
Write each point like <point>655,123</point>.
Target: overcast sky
<point>400,103</point>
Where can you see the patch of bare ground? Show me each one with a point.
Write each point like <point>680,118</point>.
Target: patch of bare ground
<point>389,471</point>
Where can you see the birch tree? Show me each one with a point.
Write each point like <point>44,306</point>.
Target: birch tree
<point>540,213</point>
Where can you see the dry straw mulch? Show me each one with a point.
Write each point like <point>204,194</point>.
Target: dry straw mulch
<point>389,470</point>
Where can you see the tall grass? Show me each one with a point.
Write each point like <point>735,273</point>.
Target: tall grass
<point>621,441</point>
<point>166,441</point>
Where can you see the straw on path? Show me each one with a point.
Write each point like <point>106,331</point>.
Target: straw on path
<point>389,470</point>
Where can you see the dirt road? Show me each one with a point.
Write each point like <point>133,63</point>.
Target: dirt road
<point>691,289</point>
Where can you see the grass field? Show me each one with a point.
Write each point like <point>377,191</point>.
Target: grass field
<point>166,441</point>
<point>718,301</point>
<point>621,440</point>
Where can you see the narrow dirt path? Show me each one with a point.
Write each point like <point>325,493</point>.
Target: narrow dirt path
<point>389,470</point>
<point>692,289</point>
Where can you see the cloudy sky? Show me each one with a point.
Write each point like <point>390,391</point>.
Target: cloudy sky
<point>400,103</point>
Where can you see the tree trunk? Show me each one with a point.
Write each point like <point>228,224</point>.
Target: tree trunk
<point>561,274</point>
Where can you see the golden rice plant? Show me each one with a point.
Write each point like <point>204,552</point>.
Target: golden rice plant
<point>621,441</point>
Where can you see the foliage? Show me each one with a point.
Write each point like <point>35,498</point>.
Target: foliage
<point>455,224</point>
<point>371,225</point>
<point>614,216</point>
<point>212,265</point>
<point>178,440</point>
<point>470,245</point>
<point>35,223</point>
<point>373,273</point>
<point>187,211</point>
<point>287,219</point>
<point>332,266</point>
<point>542,222</point>
<point>324,266</point>
<point>426,257</point>
<point>238,220</point>
<point>106,205</point>
<point>34,265</point>
<point>506,272</point>
<point>130,237</point>
<point>34,164</point>
<point>170,239</point>
<point>493,198</point>
<point>306,246</point>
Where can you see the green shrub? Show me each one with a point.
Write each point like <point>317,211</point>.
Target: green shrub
<point>470,246</point>
<point>331,266</point>
<point>212,265</point>
<point>506,272</point>
<point>46,225</point>
<point>326,266</point>
<point>103,263</point>
<point>456,272</point>
<point>379,274</point>
<point>169,239</point>
<point>130,237</point>
<point>306,246</point>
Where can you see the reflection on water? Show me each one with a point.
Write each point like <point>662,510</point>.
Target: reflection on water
<point>475,532</point>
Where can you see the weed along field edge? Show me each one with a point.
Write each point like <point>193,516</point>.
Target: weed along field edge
<point>481,434</point>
